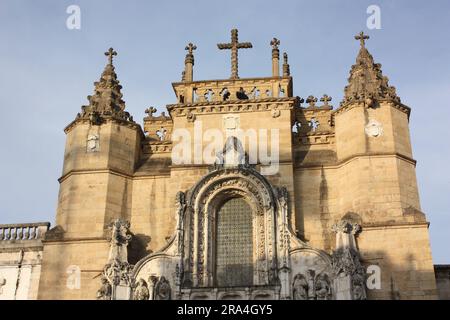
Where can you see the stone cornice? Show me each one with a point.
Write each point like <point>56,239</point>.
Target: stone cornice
<point>106,119</point>
<point>393,225</point>
<point>93,171</point>
<point>136,175</point>
<point>251,105</point>
<point>350,158</point>
<point>76,239</point>
<point>352,104</point>
<point>233,102</point>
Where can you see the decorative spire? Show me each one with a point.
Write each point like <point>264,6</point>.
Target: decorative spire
<point>275,57</point>
<point>366,82</point>
<point>286,69</point>
<point>107,98</point>
<point>234,45</point>
<point>188,74</point>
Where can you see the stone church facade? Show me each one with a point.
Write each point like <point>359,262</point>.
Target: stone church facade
<point>339,219</point>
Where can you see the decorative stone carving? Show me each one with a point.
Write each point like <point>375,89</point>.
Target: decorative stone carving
<point>275,112</point>
<point>300,288</point>
<point>141,291</point>
<point>374,129</point>
<point>119,240</point>
<point>326,102</point>
<point>311,286</point>
<point>234,45</point>
<point>346,265</point>
<point>322,287</point>
<point>92,143</point>
<point>180,204</point>
<point>358,287</point>
<point>105,291</point>
<point>190,116</point>
<point>366,82</point>
<point>106,102</point>
<point>117,271</point>
<point>286,68</point>
<point>162,289</point>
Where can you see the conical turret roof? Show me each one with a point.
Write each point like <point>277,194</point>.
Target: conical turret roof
<point>107,97</point>
<point>366,81</point>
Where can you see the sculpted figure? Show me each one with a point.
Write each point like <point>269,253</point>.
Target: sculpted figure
<point>141,292</point>
<point>162,289</point>
<point>105,291</point>
<point>300,288</point>
<point>323,288</point>
<point>359,290</point>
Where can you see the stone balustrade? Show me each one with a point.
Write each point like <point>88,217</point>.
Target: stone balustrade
<point>23,231</point>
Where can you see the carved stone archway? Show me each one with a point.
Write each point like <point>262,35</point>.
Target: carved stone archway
<point>202,205</point>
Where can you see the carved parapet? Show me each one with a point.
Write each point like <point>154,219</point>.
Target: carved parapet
<point>232,89</point>
<point>158,129</point>
<point>314,124</point>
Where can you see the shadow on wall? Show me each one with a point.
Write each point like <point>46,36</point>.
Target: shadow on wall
<point>138,247</point>
<point>399,281</point>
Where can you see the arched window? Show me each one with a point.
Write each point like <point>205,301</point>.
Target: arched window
<point>234,244</point>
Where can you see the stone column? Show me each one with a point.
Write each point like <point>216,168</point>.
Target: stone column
<point>189,68</point>
<point>275,62</point>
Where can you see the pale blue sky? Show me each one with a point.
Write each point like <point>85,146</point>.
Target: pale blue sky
<point>46,72</point>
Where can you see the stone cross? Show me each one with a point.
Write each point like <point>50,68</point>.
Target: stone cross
<point>311,100</point>
<point>190,47</point>
<point>234,45</point>
<point>325,99</point>
<point>362,38</point>
<point>275,43</point>
<point>150,111</point>
<point>110,53</point>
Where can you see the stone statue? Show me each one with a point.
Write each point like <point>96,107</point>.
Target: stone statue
<point>141,291</point>
<point>322,287</point>
<point>119,240</point>
<point>105,291</point>
<point>300,288</point>
<point>359,289</point>
<point>162,289</point>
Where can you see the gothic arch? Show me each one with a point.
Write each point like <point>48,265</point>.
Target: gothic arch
<point>202,205</point>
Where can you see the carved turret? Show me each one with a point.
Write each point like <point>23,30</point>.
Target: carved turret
<point>275,57</point>
<point>366,82</point>
<point>286,69</point>
<point>107,98</point>
<point>188,74</point>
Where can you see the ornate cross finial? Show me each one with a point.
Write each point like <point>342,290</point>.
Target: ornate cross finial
<point>190,47</point>
<point>150,111</point>
<point>110,53</point>
<point>311,100</point>
<point>362,38</point>
<point>275,43</point>
<point>325,99</point>
<point>234,45</point>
